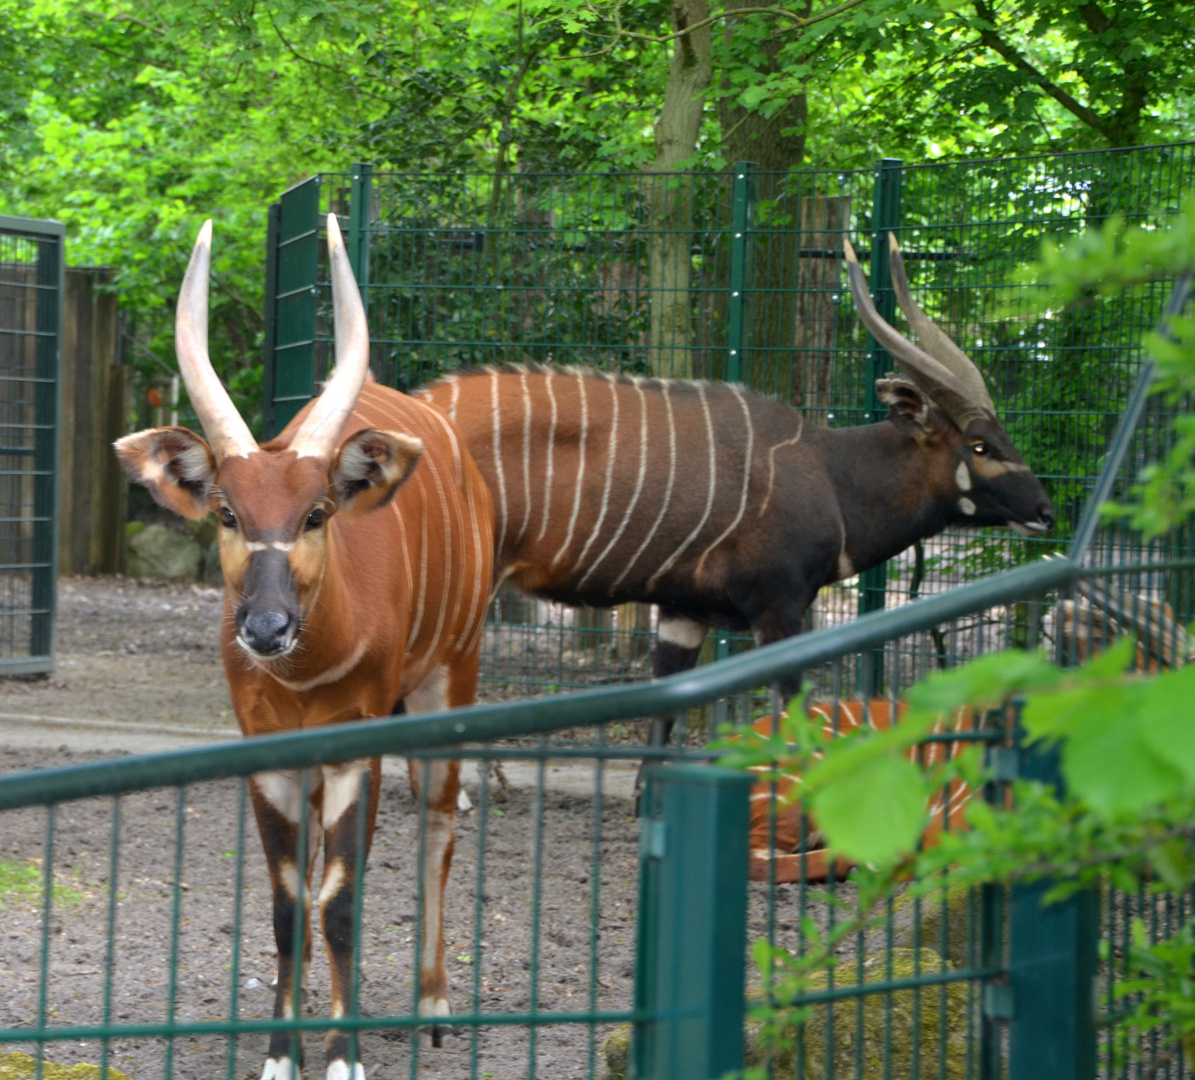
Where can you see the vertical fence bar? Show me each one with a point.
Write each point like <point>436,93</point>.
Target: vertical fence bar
<point>360,214</point>
<point>1052,967</point>
<point>742,199</point>
<point>692,924</point>
<point>885,216</point>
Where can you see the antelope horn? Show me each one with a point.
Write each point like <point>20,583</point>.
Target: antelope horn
<point>936,380</point>
<point>322,427</point>
<point>933,339</point>
<point>227,433</point>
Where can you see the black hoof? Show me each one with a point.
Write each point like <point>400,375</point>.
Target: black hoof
<point>437,1036</point>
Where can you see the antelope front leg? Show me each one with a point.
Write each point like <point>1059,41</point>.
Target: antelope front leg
<point>277,804</point>
<point>439,780</point>
<point>341,820</point>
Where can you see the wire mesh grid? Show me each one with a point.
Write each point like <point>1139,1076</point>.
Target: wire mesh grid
<point>31,261</point>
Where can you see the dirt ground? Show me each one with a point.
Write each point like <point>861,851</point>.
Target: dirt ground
<point>139,671</point>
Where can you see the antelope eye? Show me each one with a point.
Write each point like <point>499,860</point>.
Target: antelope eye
<point>227,518</point>
<point>980,448</point>
<point>315,520</point>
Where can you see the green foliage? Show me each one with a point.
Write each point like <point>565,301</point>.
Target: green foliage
<point>24,882</point>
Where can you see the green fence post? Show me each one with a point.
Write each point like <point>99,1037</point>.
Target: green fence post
<point>269,425</point>
<point>1052,968</point>
<point>885,216</point>
<point>360,215</point>
<point>742,214</point>
<point>294,303</point>
<point>691,952</point>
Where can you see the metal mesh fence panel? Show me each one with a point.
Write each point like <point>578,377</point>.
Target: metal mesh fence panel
<point>31,268</point>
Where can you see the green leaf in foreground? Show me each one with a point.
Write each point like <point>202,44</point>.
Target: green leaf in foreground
<point>875,813</point>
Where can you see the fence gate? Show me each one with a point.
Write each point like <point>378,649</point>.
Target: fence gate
<point>31,289</point>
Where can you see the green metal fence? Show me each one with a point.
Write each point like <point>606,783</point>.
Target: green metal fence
<point>137,912</point>
<point>733,275</point>
<point>32,261</point>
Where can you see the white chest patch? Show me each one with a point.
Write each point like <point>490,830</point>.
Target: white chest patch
<point>966,506</point>
<point>678,630</point>
<point>846,568</point>
<point>962,477</point>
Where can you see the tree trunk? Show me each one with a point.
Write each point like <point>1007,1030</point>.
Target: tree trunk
<point>775,144</point>
<point>671,198</point>
<point>818,278</point>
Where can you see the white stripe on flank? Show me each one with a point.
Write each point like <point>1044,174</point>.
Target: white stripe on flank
<point>526,458</point>
<point>551,451</point>
<point>454,397</point>
<point>422,567</point>
<point>626,517</point>
<point>709,501</point>
<point>580,472</point>
<point>447,541</point>
<point>772,464</point>
<point>667,490</point>
<point>609,476</point>
<point>498,460</point>
<point>746,480</point>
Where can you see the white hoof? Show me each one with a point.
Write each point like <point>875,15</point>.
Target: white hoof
<point>339,1070</point>
<point>463,803</point>
<point>280,1069</point>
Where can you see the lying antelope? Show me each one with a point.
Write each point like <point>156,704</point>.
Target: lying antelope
<point>724,507</point>
<point>356,585</point>
<point>786,846</point>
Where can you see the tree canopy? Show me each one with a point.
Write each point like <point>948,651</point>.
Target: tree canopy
<point>133,121</point>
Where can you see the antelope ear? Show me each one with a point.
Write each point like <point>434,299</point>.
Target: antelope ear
<point>907,405</point>
<point>370,467</point>
<point>175,464</point>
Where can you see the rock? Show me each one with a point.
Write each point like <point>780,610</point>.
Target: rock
<point>959,917</point>
<point>617,1046</point>
<point>156,552</point>
<point>24,1067</point>
<point>617,1052</point>
<point>212,573</point>
<point>903,1018</point>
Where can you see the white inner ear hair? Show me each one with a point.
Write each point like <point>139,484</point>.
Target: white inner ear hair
<point>194,464</point>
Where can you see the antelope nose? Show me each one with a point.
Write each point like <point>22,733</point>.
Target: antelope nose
<point>265,632</point>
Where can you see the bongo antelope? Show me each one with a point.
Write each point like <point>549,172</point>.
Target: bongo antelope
<point>356,548</point>
<point>791,849</point>
<point>721,506</point>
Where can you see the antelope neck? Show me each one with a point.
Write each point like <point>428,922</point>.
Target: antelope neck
<point>886,491</point>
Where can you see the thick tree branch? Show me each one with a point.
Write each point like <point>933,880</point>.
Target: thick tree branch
<point>798,22</point>
<point>992,40</point>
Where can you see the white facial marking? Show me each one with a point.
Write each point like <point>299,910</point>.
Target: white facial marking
<point>966,506</point>
<point>281,790</point>
<point>962,476</point>
<point>686,633</point>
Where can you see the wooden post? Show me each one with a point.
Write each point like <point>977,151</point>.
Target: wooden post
<point>818,279</point>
